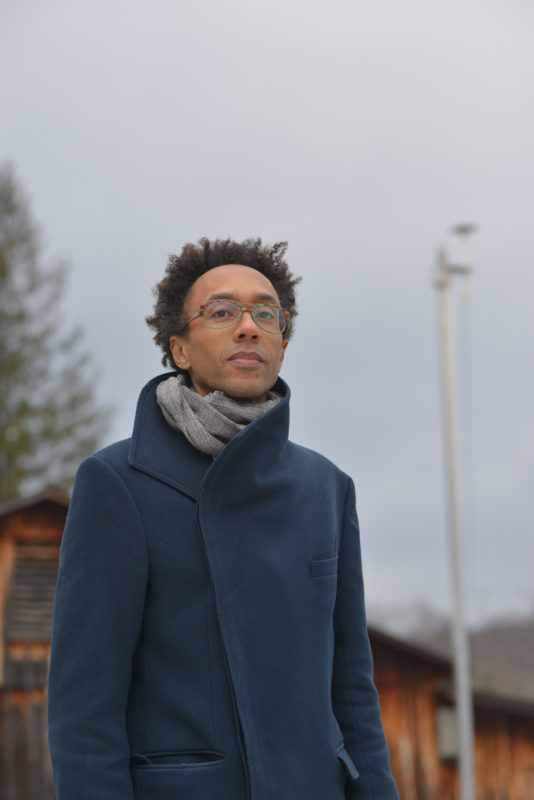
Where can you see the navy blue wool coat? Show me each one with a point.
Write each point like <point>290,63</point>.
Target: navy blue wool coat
<point>209,637</point>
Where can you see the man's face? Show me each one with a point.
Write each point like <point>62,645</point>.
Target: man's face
<point>243,361</point>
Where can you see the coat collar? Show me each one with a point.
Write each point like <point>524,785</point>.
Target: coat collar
<point>165,454</point>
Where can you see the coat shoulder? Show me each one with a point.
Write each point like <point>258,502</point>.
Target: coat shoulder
<point>114,455</point>
<point>312,460</point>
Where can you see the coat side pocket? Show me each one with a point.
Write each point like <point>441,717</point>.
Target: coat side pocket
<point>202,774</point>
<point>176,759</point>
<point>320,567</point>
<point>348,763</point>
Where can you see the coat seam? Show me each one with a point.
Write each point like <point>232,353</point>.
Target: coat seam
<point>212,677</point>
<point>356,723</point>
<point>244,751</point>
<point>147,553</point>
<point>255,682</point>
<point>134,503</point>
<point>343,658</point>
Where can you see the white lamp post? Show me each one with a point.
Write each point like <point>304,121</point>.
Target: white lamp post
<point>445,272</point>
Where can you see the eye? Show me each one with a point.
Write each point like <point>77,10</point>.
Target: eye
<point>265,312</point>
<point>221,311</point>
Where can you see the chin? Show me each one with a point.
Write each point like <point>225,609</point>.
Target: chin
<point>254,393</point>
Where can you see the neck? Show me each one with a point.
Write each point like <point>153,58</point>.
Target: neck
<point>242,400</point>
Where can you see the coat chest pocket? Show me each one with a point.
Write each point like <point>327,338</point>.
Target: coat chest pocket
<point>167,775</point>
<point>322,567</point>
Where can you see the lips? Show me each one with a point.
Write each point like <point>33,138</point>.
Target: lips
<point>246,357</point>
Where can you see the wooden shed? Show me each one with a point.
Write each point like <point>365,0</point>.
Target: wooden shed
<point>504,749</point>
<point>408,679</point>
<point>419,717</point>
<point>30,536</point>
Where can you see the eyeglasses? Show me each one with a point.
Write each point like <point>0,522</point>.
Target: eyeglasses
<point>223,313</point>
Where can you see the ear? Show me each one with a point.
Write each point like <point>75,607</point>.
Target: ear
<point>180,351</point>
<point>282,354</point>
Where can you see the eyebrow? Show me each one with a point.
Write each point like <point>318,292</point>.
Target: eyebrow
<point>262,297</point>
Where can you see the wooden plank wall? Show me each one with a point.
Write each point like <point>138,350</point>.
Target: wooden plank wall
<point>410,695</point>
<point>25,771</point>
<point>504,756</point>
<point>407,689</point>
<point>29,549</point>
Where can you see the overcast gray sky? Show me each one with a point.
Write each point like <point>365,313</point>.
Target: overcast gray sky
<point>359,132</point>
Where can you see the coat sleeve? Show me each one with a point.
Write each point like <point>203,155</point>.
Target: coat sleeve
<point>354,696</point>
<point>98,610</point>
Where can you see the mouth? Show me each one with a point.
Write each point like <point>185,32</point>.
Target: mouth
<point>246,358</point>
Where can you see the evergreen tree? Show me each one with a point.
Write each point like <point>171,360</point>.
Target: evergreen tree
<point>49,419</point>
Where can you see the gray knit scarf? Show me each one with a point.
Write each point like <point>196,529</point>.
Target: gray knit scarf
<point>208,422</point>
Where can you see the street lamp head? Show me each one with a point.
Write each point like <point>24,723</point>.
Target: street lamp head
<point>464,228</point>
<point>463,231</point>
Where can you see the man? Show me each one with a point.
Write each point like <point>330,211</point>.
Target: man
<point>209,638</point>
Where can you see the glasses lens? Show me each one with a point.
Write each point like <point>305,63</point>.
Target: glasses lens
<point>220,313</point>
<point>270,318</point>
<point>223,313</point>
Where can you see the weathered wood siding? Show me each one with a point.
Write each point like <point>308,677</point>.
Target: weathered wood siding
<point>407,681</point>
<point>504,755</point>
<point>29,550</point>
<point>25,772</point>
<point>413,685</point>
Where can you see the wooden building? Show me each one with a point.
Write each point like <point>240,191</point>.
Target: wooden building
<point>414,685</point>
<point>504,747</point>
<point>419,718</point>
<point>30,535</point>
<point>408,679</point>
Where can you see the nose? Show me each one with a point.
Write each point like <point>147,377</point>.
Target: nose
<point>246,328</point>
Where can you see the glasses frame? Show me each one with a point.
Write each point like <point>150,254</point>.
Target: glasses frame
<point>200,312</point>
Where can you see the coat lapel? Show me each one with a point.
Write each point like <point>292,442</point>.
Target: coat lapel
<point>162,452</point>
<point>165,454</point>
